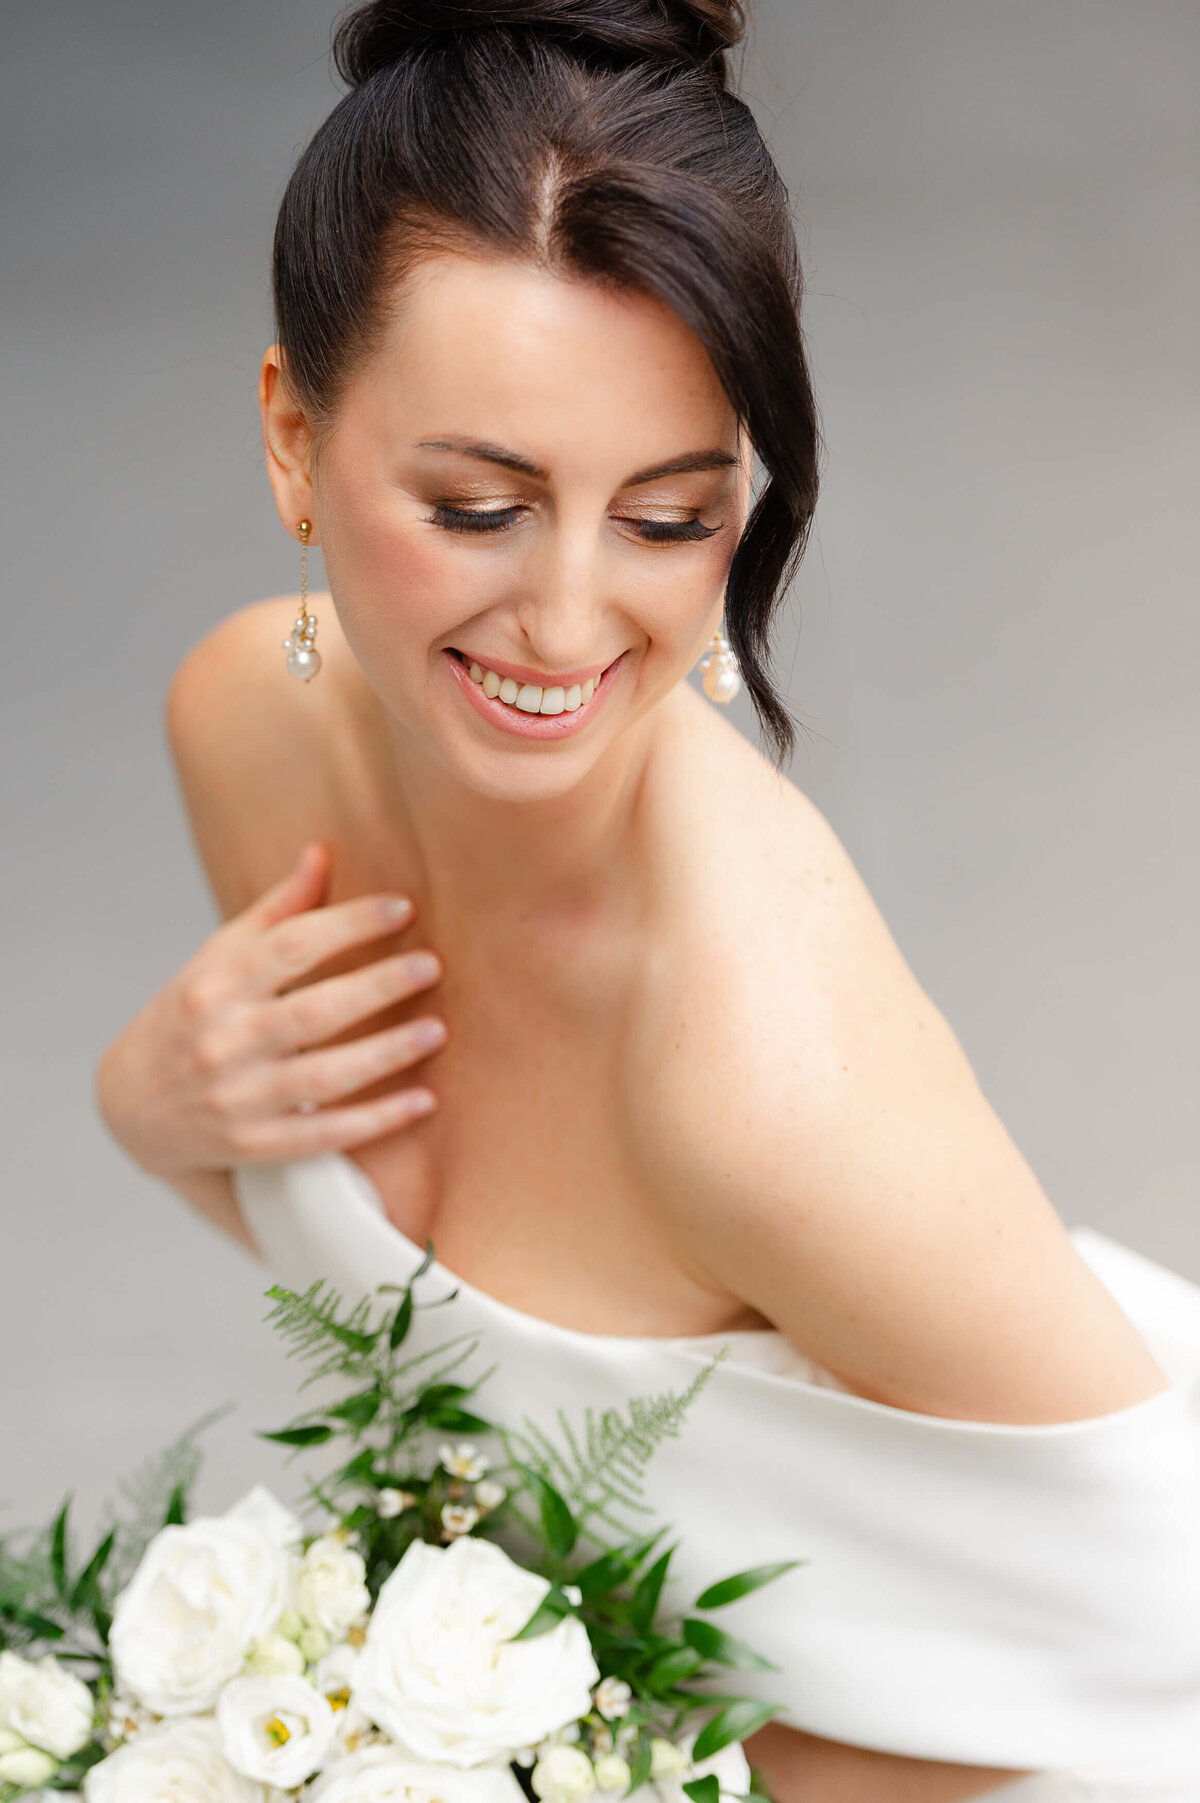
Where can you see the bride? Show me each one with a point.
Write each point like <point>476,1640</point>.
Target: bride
<point>529,952</point>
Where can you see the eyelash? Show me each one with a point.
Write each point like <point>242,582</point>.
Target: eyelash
<point>655,532</point>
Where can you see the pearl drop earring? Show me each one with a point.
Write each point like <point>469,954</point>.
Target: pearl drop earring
<point>719,671</point>
<point>304,660</point>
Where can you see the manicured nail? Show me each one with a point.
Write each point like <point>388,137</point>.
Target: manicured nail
<point>398,906</point>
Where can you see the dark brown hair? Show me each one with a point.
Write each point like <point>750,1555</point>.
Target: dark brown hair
<point>598,137</point>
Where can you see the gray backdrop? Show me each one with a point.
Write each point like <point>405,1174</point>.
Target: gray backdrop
<point>992,645</point>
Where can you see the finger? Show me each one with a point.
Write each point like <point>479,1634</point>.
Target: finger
<point>309,1016</point>
<point>292,948</point>
<point>330,1075</point>
<point>302,887</point>
<point>331,1129</point>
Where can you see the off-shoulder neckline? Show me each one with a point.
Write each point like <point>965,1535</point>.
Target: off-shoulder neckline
<point>370,1193</point>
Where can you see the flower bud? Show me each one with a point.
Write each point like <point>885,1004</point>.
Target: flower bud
<point>11,1742</point>
<point>564,1774</point>
<point>290,1625</point>
<point>666,1759</point>
<point>26,1766</point>
<point>314,1644</point>
<point>274,1657</point>
<point>612,1772</point>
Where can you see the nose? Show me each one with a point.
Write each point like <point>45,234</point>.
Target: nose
<point>562,612</point>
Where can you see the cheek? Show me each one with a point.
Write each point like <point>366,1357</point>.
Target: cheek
<point>410,583</point>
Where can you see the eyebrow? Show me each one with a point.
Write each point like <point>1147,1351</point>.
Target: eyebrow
<point>691,463</point>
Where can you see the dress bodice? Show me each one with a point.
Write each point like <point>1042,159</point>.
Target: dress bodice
<point>995,1594</point>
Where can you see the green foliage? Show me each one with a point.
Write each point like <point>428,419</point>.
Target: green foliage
<point>730,1589</point>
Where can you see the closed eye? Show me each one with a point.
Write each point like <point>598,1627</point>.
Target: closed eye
<point>499,519</point>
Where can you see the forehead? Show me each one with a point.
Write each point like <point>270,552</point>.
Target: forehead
<point>557,366</point>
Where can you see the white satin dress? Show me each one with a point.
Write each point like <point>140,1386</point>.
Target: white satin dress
<point>1024,1597</point>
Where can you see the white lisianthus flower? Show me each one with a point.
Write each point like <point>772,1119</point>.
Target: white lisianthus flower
<point>27,1766</point>
<point>277,1730</point>
<point>177,1762</point>
<point>331,1589</point>
<point>612,1699</point>
<point>612,1772</point>
<point>563,1775</point>
<point>333,1678</point>
<point>489,1494</point>
<point>201,1595</point>
<point>440,1673</point>
<point>464,1460</point>
<point>383,1774</point>
<point>45,1705</point>
<point>459,1518</point>
<point>729,1767</point>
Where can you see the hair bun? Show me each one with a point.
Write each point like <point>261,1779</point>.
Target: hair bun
<point>626,31</point>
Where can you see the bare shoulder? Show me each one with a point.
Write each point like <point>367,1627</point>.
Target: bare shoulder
<point>250,746</point>
<point>812,1126</point>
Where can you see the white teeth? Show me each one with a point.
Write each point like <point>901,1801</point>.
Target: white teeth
<point>529,697</point>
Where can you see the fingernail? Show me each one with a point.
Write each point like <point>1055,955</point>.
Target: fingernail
<point>423,967</point>
<point>427,1034</point>
<point>422,1101</point>
<point>398,906</point>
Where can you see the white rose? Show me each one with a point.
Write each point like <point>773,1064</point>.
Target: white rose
<point>277,1730</point>
<point>45,1705</point>
<point>436,1674</point>
<point>729,1767</point>
<point>177,1762</point>
<point>331,1589</point>
<point>384,1775</point>
<point>202,1593</point>
<point>26,1766</point>
<point>563,1775</point>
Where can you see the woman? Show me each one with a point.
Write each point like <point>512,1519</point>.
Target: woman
<point>528,952</point>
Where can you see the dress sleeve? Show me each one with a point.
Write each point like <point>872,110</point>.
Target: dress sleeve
<point>975,1592</point>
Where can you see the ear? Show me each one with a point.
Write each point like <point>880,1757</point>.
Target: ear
<point>287,446</point>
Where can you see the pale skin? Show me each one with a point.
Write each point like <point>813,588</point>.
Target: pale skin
<point>686,1080</point>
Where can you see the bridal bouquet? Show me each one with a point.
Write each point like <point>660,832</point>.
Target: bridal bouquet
<point>469,1626</point>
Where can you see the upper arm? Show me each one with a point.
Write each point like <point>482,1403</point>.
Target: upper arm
<point>240,750</point>
<point>826,1148</point>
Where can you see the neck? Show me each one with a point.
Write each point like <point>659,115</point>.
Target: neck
<point>523,862</point>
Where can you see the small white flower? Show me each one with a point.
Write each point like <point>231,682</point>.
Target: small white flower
<point>45,1705</point>
<point>612,1772</point>
<point>563,1775</point>
<point>393,1502</point>
<point>290,1625</point>
<point>334,1678</point>
<point>331,1589</point>
<point>275,1730</point>
<point>27,1766</point>
<point>489,1494</point>
<point>612,1698</point>
<point>463,1460</point>
<point>525,1757</point>
<point>459,1518</point>
<point>666,1759</point>
<point>272,1656</point>
<point>573,1594</point>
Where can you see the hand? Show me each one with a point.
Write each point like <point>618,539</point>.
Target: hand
<point>212,1071</point>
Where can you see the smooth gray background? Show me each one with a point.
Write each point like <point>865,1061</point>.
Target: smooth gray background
<point>992,645</point>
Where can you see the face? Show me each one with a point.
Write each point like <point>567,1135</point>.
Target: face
<point>528,505</point>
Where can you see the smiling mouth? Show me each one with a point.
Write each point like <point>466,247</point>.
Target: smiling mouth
<point>530,697</point>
